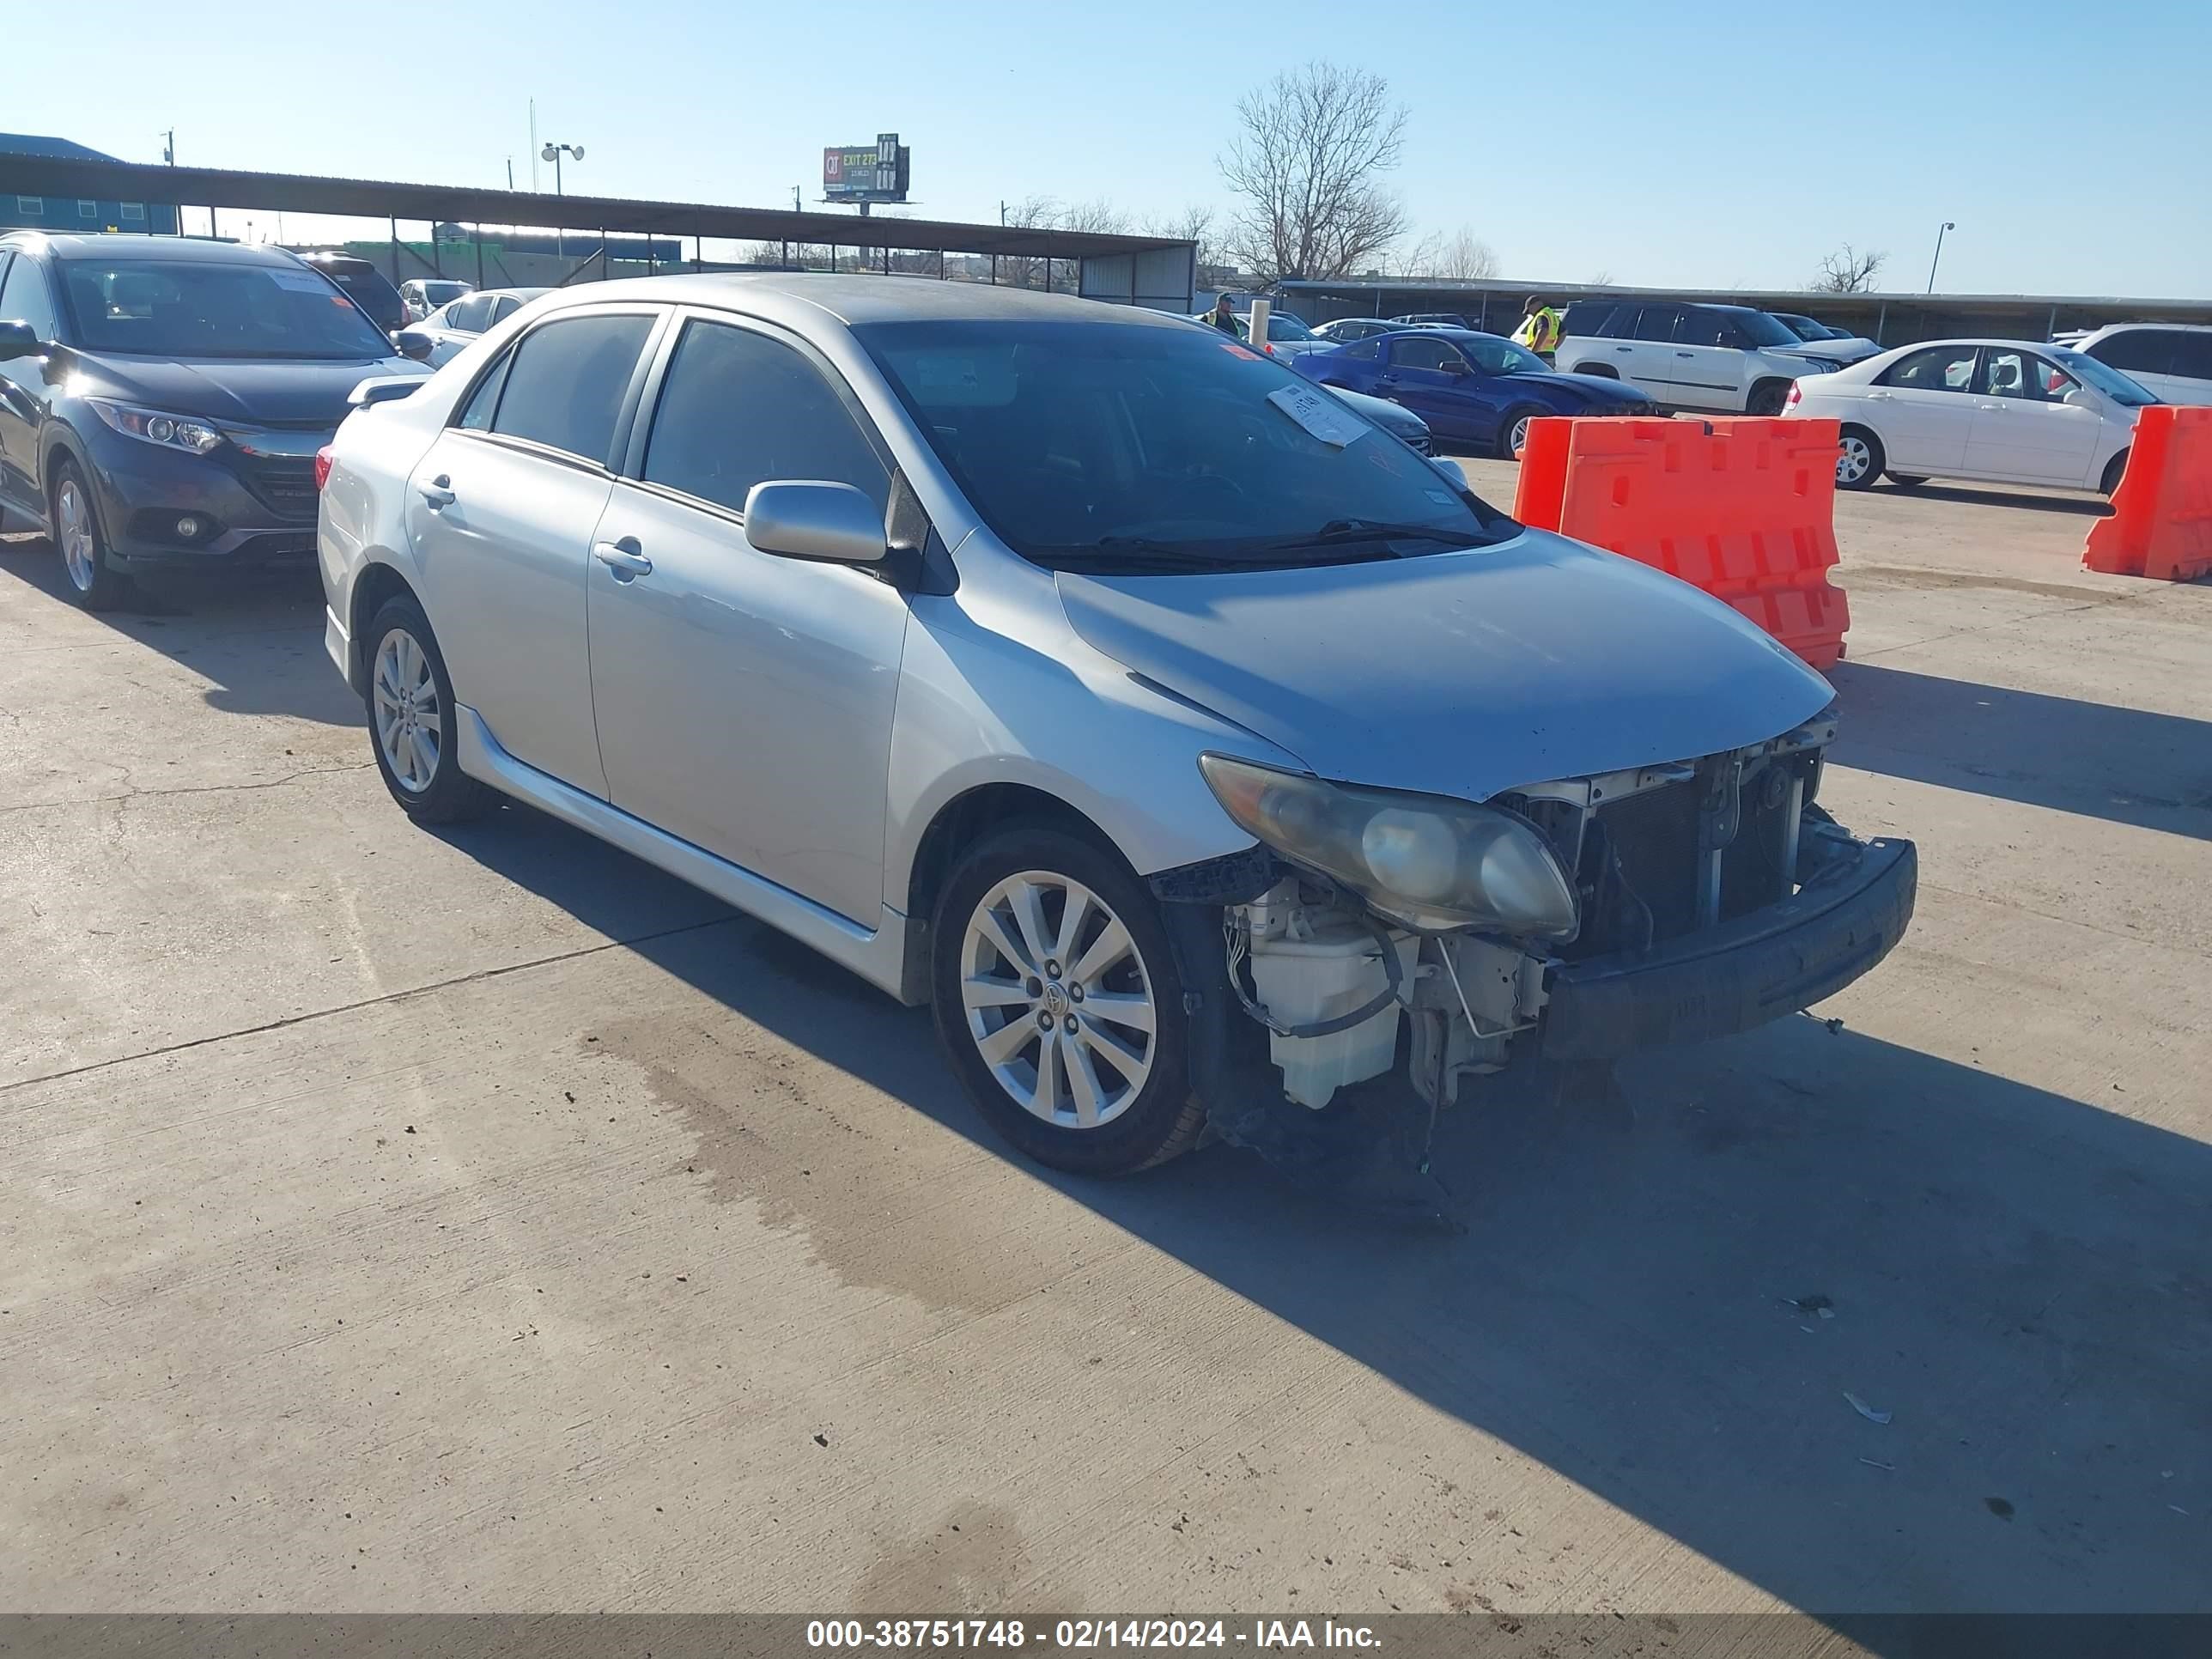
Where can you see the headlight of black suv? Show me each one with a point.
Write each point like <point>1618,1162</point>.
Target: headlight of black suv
<point>189,432</point>
<point>1426,863</point>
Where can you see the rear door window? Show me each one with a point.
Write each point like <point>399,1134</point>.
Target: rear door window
<point>1658,322</point>
<point>1934,368</point>
<point>2137,350</point>
<point>566,383</point>
<point>738,409</point>
<point>470,316</point>
<point>2192,355</point>
<point>1698,325</point>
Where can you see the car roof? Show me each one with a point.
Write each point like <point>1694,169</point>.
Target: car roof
<point>184,250</point>
<point>2116,328</point>
<point>855,299</point>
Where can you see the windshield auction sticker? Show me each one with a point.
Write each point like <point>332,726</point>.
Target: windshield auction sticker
<point>1319,413</point>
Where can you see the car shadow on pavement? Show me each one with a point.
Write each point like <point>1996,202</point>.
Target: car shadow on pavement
<point>2128,765</point>
<point>220,625</point>
<point>2086,506</point>
<point>1873,1330</point>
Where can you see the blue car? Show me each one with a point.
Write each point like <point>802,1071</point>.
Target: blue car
<point>1470,387</point>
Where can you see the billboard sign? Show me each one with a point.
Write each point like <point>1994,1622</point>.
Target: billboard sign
<point>866,172</point>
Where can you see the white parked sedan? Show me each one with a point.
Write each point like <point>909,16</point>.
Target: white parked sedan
<point>2001,410</point>
<point>441,336</point>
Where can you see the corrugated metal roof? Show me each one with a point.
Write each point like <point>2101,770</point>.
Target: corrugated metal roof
<point>65,176</point>
<point>1763,298</point>
<point>30,143</point>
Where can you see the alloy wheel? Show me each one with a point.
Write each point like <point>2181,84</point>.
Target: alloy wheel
<point>1058,1000</point>
<point>1854,460</point>
<point>1517,439</point>
<point>404,695</point>
<point>79,553</point>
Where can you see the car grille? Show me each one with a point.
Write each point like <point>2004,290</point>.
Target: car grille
<point>286,485</point>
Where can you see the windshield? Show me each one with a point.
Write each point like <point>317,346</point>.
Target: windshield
<point>1281,325</point>
<point>1803,327</point>
<point>2128,393</point>
<point>1496,356</point>
<point>189,308</point>
<point>1118,447</point>
<point>1765,331</point>
<point>438,293</point>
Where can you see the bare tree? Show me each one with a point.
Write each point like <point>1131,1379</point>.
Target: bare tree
<point>1847,271</point>
<point>1193,224</point>
<point>1603,279</point>
<point>1460,257</point>
<point>1100,217</point>
<point>1312,146</point>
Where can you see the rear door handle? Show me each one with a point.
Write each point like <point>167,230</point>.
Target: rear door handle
<point>1994,408</point>
<point>623,558</point>
<point>438,492</point>
<point>1878,396</point>
<point>1623,348</point>
<point>1685,354</point>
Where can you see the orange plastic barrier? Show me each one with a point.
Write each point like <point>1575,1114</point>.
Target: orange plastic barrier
<point>2161,522</point>
<point>1744,509</point>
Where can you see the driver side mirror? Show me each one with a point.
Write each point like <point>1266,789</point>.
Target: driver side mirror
<point>827,523</point>
<point>2079,397</point>
<point>413,343</point>
<point>19,340</point>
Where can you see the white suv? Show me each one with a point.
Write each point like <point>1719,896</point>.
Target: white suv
<point>2172,360</point>
<point>1726,358</point>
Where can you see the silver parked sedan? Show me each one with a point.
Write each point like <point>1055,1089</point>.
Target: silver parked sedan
<point>439,337</point>
<point>1177,735</point>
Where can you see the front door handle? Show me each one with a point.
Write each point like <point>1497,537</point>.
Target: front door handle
<point>1623,348</point>
<point>623,558</point>
<point>1685,354</point>
<point>439,492</point>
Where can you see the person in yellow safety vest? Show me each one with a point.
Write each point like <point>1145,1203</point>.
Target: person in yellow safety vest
<point>1541,329</point>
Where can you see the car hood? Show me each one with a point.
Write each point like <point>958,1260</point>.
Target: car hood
<point>1598,386</point>
<point>247,393</point>
<point>1459,674</point>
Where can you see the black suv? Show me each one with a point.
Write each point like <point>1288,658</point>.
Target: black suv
<point>162,399</point>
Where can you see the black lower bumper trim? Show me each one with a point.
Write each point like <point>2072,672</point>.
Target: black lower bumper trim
<point>1741,973</point>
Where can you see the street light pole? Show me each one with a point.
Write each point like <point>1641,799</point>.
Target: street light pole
<point>1938,259</point>
<point>553,153</point>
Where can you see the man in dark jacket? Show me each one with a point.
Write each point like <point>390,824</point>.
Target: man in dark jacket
<point>1224,318</point>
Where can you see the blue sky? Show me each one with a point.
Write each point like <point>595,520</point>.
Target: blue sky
<point>1678,144</point>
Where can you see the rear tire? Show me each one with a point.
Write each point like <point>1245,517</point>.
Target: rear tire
<point>2115,469</point>
<point>93,582</point>
<point>1858,458</point>
<point>412,722</point>
<point>1036,930</point>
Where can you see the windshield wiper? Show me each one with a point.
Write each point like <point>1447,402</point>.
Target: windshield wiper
<point>1338,531</point>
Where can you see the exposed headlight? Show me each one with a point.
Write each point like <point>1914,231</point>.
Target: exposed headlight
<point>185,432</point>
<point>1428,864</point>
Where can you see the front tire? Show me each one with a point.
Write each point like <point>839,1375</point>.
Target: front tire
<point>411,719</point>
<point>95,583</point>
<point>1513,432</point>
<point>1059,1005</point>
<point>1767,398</point>
<point>1908,480</point>
<point>1859,459</point>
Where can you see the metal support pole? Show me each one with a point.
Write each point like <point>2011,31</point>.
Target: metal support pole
<point>995,270</point>
<point>604,260</point>
<point>476,233</point>
<point>887,261</point>
<point>395,250</point>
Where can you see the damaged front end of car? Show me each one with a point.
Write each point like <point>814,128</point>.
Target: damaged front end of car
<point>1566,923</point>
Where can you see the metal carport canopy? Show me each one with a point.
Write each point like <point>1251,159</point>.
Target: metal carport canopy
<point>372,198</point>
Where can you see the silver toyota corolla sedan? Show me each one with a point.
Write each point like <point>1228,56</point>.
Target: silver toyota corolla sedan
<point>1177,735</point>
